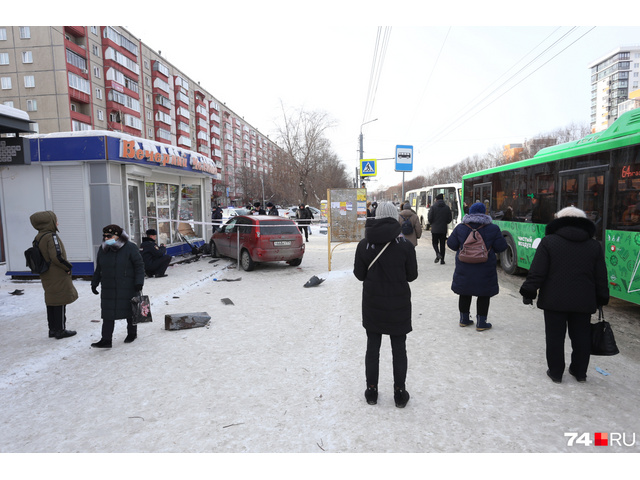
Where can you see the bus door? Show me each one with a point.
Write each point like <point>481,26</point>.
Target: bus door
<point>482,193</point>
<point>588,190</point>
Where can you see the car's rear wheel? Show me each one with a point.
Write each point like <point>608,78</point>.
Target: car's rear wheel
<point>295,262</point>
<point>213,249</point>
<point>246,262</point>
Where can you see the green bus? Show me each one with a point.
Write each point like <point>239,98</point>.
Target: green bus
<point>599,174</point>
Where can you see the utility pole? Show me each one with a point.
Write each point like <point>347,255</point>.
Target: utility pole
<point>359,178</point>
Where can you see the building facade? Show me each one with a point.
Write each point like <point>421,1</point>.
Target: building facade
<point>613,78</point>
<point>77,78</point>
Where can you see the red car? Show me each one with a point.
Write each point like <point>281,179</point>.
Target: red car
<point>262,238</point>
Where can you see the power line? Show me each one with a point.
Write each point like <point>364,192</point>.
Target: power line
<point>379,55</point>
<point>461,120</point>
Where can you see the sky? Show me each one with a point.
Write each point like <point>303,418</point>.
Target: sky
<point>476,78</point>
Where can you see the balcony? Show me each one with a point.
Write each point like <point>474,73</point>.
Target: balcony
<point>78,96</point>
<point>75,31</point>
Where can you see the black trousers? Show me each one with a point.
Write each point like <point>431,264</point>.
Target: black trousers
<point>304,228</point>
<point>158,266</point>
<point>109,325</point>
<point>438,240</point>
<point>556,325</point>
<point>372,359</point>
<point>482,305</point>
<point>57,318</point>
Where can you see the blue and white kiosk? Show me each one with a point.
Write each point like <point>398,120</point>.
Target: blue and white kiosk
<point>95,178</point>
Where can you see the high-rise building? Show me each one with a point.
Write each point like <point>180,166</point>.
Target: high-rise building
<point>613,77</point>
<point>73,78</point>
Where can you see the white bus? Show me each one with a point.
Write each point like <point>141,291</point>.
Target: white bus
<point>421,200</point>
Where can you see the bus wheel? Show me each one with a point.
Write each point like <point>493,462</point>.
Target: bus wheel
<point>509,258</point>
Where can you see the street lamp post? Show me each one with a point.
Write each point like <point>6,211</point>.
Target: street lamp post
<point>360,138</point>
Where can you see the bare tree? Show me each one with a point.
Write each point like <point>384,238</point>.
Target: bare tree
<point>302,138</point>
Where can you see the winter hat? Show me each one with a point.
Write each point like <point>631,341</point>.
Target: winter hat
<point>112,230</point>
<point>386,210</point>
<point>269,204</point>
<point>440,196</point>
<point>477,208</point>
<point>151,231</point>
<point>257,204</point>
<point>406,206</point>
<point>571,212</point>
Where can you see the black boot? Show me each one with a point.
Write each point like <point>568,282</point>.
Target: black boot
<point>371,394</point>
<point>64,334</point>
<point>132,334</point>
<point>401,397</point>
<point>102,344</point>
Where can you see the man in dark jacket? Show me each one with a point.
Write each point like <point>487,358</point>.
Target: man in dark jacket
<point>155,258</point>
<point>303,217</point>
<point>272,210</point>
<point>216,218</point>
<point>385,262</point>
<point>439,217</point>
<point>570,273</point>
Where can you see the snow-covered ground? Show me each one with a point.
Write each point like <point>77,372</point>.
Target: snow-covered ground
<point>282,371</point>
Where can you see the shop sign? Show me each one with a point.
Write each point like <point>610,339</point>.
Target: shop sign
<point>174,157</point>
<point>15,151</point>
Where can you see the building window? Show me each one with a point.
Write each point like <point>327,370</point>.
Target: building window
<point>99,93</point>
<point>94,30</point>
<point>6,83</point>
<point>79,83</point>
<point>79,126</point>
<point>150,132</point>
<point>27,57</point>
<point>8,104</point>
<point>100,115</point>
<point>29,81</point>
<point>25,32</point>
<point>3,33</point>
<point>168,204</point>
<point>76,60</point>
<point>96,72</point>
<point>4,59</point>
<point>96,51</point>
<point>32,105</point>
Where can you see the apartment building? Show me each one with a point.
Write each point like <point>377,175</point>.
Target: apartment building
<point>76,78</point>
<point>613,77</point>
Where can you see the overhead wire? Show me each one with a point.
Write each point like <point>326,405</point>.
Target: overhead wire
<point>377,63</point>
<point>447,129</point>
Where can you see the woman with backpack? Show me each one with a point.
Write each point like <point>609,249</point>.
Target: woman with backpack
<point>56,281</point>
<point>476,279</point>
<point>411,228</point>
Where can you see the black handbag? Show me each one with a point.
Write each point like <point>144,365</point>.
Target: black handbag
<point>602,339</point>
<point>141,309</point>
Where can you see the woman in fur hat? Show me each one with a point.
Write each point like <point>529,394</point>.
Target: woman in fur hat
<point>570,274</point>
<point>476,279</point>
<point>386,296</point>
<point>120,270</point>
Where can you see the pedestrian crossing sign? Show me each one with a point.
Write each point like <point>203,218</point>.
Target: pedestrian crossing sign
<point>368,168</point>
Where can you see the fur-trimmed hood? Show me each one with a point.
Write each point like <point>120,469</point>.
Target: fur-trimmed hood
<point>480,218</point>
<point>576,229</point>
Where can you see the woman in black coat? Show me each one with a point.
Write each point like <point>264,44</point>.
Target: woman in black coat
<point>120,269</point>
<point>570,272</point>
<point>476,279</point>
<point>386,296</point>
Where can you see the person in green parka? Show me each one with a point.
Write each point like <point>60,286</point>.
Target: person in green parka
<point>120,270</point>
<point>58,286</point>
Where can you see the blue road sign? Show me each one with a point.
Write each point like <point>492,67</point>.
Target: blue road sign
<point>404,158</point>
<point>368,168</point>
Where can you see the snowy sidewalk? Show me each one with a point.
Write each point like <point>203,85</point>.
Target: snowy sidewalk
<point>282,370</point>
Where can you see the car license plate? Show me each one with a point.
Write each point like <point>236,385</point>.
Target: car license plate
<point>282,243</point>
